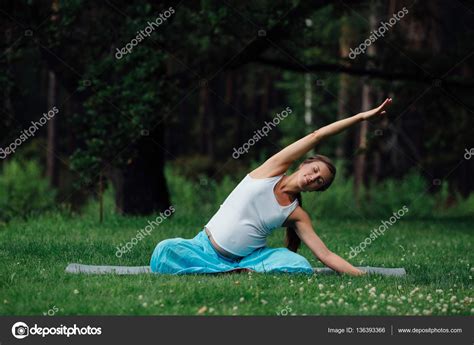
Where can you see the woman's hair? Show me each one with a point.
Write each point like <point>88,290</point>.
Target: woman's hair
<point>292,241</point>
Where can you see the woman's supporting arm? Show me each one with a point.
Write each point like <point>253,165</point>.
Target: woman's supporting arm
<point>305,231</point>
<point>281,161</point>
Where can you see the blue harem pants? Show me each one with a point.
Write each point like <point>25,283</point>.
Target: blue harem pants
<point>197,255</point>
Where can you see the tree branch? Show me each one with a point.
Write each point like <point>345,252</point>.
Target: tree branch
<point>419,77</point>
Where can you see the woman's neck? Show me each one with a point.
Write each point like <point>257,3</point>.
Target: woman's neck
<point>288,185</point>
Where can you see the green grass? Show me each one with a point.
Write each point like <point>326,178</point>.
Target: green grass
<point>436,254</point>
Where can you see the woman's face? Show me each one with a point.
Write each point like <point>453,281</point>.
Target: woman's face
<point>312,176</point>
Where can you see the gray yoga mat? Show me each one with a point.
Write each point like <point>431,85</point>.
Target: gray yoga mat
<point>92,269</point>
<point>396,272</point>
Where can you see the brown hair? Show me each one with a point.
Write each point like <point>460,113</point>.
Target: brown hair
<point>292,241</point>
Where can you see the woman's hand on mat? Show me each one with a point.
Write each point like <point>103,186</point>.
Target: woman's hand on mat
<point>380,110</point>
<point>357,272</point>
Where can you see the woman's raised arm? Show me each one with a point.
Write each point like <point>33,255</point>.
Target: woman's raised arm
<point>281,161</point>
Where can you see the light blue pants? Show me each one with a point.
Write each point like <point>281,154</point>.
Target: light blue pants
<point>197,255</point>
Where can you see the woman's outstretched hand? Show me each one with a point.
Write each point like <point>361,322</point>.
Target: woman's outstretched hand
<point>380,110</point>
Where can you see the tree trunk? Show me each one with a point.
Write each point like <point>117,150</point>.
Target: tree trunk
<point>141,186</point>
<point>345,42</point>
<point>229,90</point>
<point>101,197</point>
<point>51,160</point>
<point>6,92</point>
<point>239,84</point>
<point>267,84</point>
<point>308,105</point>
<point>360,162</point>
<point>360,158</point>
<point>52,172</point>
<point>210,123</point>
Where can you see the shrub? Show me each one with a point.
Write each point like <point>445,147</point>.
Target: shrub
<point>392,194</point>
<point>91,208</point>
<point>378,201</point>
<point>23,191</point>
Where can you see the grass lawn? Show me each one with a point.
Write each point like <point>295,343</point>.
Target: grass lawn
<point>437,255</point>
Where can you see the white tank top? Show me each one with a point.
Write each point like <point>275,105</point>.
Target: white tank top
<point>248,215</point>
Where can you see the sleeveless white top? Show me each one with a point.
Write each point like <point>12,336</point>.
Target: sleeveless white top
<point>248,215</point>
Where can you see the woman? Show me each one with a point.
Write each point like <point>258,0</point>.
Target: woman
<point>235,237</point>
